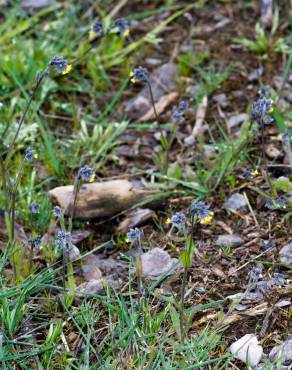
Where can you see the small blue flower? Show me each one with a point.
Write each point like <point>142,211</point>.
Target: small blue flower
<point>134,234</point>
<point>34,208</point>
<point>178,220</point>
<point>59,63</point>
<point>63,239</point>
<point>97,28</point>
<point>183,106</point>
<point>86,174</point>
<point>177,116</point>
<point>29,155</point>
<point>139,74</point>
<point>57,211</point>
<point>260,110</point>
<point>122,26</point>
<point>201,211</point>
<point>36,242</point>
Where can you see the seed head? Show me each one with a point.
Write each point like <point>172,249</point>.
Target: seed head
<point>135,234</point>
<point>139,74</point>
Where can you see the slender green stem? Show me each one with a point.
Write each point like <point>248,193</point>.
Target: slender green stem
<point>182,305</point>
<point>37,85</point>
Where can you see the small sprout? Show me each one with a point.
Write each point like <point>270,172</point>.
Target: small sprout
<point>121,26</point>
<point>178,220</point>
<point>61,65</point>
<point>139,74</point>
<point>57,211</point>
<point>134,234</point>
<point>96,30</point>
<point>201,211</point>
<point>86,174</point>
<point>29,155</point>
<point>34,208</point>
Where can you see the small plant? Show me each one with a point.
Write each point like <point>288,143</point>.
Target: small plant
<point>199,213</point>
<point>134,236</point>
<point>263,44</point>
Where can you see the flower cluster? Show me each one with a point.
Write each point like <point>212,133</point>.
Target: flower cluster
<point>178,112</point>
<point>63,240</point>
<point>262,107</point>
<point>121,26</point>
<point>139,74</point>
<point>86,174</point>
<point>57,211</point>
<point>199,210</point>
<point>34,208</point>
<point>178,220</point>
<point>134,234</point>
<point>61,65</point>
<point>29,155</point>
<point>35,243</point>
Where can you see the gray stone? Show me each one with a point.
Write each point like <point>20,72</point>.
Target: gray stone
<point>97,286</point>
<point>286,254</point>
<point>221,99</point>
<point>236,120</point>
<point>155,263</point>
<point>248,350</point>
<point>228,240</point>
<point>235,202</point>
<point>282,352</point>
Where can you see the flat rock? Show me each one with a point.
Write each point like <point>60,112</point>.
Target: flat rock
<point>37,4</point>
<point>236,120</point>
<point>282,353</point>
<point>228,240</point>
<point>235,202</point>
<point>286,254</point>
<point>91,272</point>
<point>221,99</point>
<point>96,200</point>
<point>135,218</point>
<point>155,263</point>
<point>97,286</point>
<point>247,349</point>
<point>107,266</point>
<point>74,253</point>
